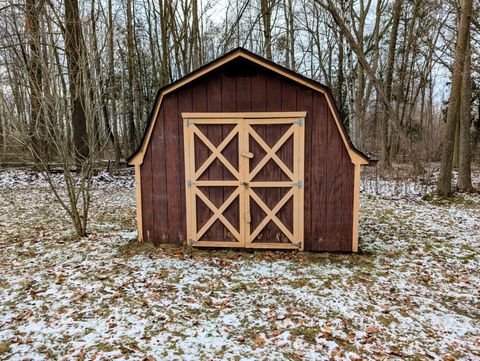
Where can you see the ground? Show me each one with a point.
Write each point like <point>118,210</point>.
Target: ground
<point>411,293</point>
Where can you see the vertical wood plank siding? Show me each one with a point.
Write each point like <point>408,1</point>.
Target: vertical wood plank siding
<point>241,86</point>
<point>159,176</point>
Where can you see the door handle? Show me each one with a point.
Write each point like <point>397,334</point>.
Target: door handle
<point>247,154</point>
<point>244,184</point>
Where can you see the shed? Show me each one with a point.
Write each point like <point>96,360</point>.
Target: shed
<point>245,153</point>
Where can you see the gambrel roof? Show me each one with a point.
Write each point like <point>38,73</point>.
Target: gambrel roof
<point>356,155</point>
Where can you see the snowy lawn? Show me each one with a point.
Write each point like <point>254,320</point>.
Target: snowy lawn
<point>411,293</point>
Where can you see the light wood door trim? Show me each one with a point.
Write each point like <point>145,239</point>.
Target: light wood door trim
<point>245,190</point>
<point>253,116</point>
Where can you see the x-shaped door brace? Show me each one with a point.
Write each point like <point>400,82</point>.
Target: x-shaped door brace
<point>271,153</point>
<point>271,214</point>
<point>218,213</point>
<point>216,152</point>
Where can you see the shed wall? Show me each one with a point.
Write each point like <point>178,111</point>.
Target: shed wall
<point>241,86</point>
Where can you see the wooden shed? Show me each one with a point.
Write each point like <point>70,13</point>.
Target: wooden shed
<point>246,153</point>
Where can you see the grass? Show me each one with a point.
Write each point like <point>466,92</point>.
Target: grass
<point>414,278</point>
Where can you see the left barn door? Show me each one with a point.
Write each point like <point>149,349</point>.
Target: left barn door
<point>213,177</point>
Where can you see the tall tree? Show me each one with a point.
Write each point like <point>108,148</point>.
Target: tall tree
<point>464,169</point>
<point>444,184</point>
<point>112,85</point>
<point>164,21</point>
<point>32,25</point>
<point>385,159</point>
<point>195,37</point>
<point>370,72</point>
<point>132,142</point>
<point>266,11</point>
<point>77,65</point>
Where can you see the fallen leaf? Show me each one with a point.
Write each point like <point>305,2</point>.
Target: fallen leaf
<point>81,355</point>
<point>26,315</point>
<point>78,295</point>
<point>276,333</point>
<point>259,341</point>
<point>326,330</point>
<point>372,329</point>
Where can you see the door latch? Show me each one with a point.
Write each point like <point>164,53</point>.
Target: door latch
<point>247,154</point>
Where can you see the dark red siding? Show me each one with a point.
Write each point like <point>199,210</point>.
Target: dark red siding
<point>241,86</point>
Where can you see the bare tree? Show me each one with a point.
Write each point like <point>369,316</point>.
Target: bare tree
<point>464,169</point>
<point>75,163</point>
<point>266,7</point>
<point>381,58</point>
<point>385,157</point>
<point>76,59</point>
<point>112,85</point>
<point>444,185</point>
<point>392,114</point>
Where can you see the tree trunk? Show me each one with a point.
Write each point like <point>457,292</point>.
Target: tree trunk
<point>112,87</point>
<point>444,185</point>
<point>151,40</point>
<point>37,122</point>
<point>464,170</point>
<point>266,9</point>
<point>131,72</point>
<point>165,69</point>
<point>195,40</point>
<point>340,83</point>
<point>75,53</point>
<point>291,19</point>
<point>456,144</point>
<point>99,76</point>
<point>385,158</point>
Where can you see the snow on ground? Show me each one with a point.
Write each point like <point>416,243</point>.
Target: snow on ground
<point>411,293</point>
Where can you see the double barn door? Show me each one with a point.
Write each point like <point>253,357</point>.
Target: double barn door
<point>244,179</point>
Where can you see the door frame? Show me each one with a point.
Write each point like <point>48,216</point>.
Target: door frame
<point>243,120</point>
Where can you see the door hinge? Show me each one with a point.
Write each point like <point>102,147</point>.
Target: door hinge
<point>298,184</point>
<point>298,244</point>
<point>299,122</point>
<point>190,183</point>
<point>191,242</point>
<point>188,122</point>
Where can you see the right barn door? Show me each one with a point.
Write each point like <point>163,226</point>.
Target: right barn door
<point>274,163</point>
